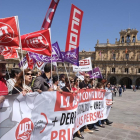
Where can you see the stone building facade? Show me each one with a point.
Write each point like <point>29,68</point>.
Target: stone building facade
<point>118,62</point>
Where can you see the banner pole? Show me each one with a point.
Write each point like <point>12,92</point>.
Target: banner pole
<point>51,70</point>
<point>20,44</point>
<point>67,74</point>
<point>8,73</point>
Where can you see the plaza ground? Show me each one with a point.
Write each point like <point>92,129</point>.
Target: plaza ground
<point>125,114</point>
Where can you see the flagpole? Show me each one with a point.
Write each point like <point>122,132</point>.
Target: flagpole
<point>20,44</point>
<point>51,70</point>
<point>67,74</point>
<point>8,73</point>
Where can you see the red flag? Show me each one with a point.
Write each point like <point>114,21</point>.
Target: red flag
<point>30,62</point>
<point>9,32</point>
<point>50,14</point>
<point>37,42</point>
<point>74,28</point>
<point>8,52</point>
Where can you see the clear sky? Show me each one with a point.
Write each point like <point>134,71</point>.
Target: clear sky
<point>102,19</point>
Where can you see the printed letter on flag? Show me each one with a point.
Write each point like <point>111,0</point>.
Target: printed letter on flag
<point>74,28</point>
<point>37,42</point>
<point>9,32</point>
<point>84,65</point>
<point>49,15</point>
<point>95,73</point>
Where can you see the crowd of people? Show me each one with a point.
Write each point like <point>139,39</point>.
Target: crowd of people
<point>26,81</point>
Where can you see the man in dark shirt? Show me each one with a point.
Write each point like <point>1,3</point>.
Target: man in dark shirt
<point>84,84</point>
<point>42,83</point>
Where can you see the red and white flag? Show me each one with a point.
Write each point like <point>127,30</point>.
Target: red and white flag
<point>9,32</point>
<point>37,42</point>
<point>40,65</point>
<point>30,62</point>
<point>74,28</point>
<point>50,14</point>
<point>8,52</point>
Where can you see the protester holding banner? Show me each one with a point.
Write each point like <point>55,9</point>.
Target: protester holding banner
<point>84,84</point>
<point>3,86</point>
<point>14,76</point>
<point>68,85</point>
<point>91,84</point>
<point>55,86</point>
<point>107,89</point>
<point>20,87</point>
<point>62,80</point>
<point>42,83</point>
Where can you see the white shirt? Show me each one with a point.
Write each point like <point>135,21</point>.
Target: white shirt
<point>12,83</point>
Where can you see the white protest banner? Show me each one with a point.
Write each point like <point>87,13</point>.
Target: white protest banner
<point>84,65</point>
<point>51,115</point>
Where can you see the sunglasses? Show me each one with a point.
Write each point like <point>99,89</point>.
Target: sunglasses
<point>29,74</point>
<point>87,76</point>
<point>72,81</point>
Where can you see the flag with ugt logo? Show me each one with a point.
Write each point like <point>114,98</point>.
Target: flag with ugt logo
<point>37,42</point>
<point>9,32</point>
<point>8,52</point>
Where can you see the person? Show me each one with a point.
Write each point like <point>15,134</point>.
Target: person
<point>14,76</point>
<point>106,85</point>
<point>84,84</point>
<point>100,86</point>
<point>38,73</point>
<point>120,90</point>
<point>20,86</point>
<point>75,88</point>
<point>62,81</point>
<point>115,90</point>
<point>43,82</point>
<point>55,86</point>
<point>68,87</point>
<point>3,86</point>
<point>91,84</point>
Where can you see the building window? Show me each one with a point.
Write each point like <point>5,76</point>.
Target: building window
<point>134,39</point>
<point>114,56</point>
<point>122,39</point>
<point>128,39</point>
<point>127,56</point>
<point>126,70</point>
<point>113,69</point>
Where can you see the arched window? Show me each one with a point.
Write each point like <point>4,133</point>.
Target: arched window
<point>128,39</point>
<point>134,39</point>
<point>122,39</point>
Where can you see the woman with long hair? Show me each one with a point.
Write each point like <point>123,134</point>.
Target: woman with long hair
<point>20,87</point>
<point>68,85</point>
<point>13,78</point>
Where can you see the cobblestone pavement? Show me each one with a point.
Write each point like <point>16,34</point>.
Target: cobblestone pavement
<point>125,114</point>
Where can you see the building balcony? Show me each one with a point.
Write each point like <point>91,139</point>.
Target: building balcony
<point>124,73</point>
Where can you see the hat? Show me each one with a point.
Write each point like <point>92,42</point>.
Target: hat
<point>2,59</point>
